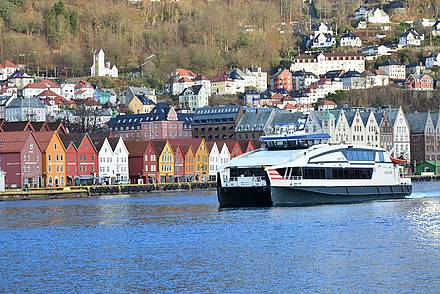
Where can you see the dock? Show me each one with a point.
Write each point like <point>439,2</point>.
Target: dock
<point>92,191</point>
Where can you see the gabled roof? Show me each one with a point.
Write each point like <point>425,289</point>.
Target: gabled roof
<point>195,142</point>
<point>26,102</point>
<point>144,100</point>
<point>44,138</point>
<point>74,138</point>
<point>158,146</point>
<point>184,72</point>
<point>19,126</point>
<point>113,142</point>
<point>13,142</point>
<point>417,121</point>
<point>136,148</point>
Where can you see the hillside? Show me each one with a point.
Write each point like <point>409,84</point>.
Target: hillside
<point>203,35</point>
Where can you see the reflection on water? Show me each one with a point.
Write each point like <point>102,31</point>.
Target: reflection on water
<point>183,243</point>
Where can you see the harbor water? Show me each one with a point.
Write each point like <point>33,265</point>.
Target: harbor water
<point>181,242</point>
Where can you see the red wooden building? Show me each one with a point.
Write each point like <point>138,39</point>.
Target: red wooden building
<point>21,159</point>
<point>81,158</point>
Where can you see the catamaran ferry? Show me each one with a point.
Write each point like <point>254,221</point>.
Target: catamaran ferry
<point>337,174</point>
<point>243,182</point>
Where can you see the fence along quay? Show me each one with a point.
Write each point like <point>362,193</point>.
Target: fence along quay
<point>90,191</point>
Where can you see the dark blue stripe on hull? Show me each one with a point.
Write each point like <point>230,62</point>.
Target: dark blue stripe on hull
<point>300,196</point>
<point>244,197</point>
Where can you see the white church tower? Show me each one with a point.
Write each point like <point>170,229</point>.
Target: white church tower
<point>100,68</point>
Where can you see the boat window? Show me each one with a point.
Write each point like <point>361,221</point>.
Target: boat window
<point>359,155</point>
<point>352,173</point>
<point>314,173</point>
<point>381,156</point>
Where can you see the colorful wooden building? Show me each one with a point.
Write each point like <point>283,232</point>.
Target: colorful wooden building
<point>54,158</point>
<point>81,159</point>
<point>21,159</point>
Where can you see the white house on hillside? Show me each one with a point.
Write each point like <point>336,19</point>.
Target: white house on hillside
<point>411,38</point>
<point>350,40</point>
<point>378,16</point>
<point>100,68</point>
<point>194,97</point>
<point>433,60</point>
<point>322,38</point>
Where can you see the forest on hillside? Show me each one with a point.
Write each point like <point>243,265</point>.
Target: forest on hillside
<point>154,38</point>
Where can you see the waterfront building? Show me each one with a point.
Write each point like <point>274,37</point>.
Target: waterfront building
<point>142,162</point>
<point>225,155</point>
<point>216,122</point>
<point>189,161</point>
<point>401,133</point>
<point>201,157</point>
<point>106,160</point>
<point>121,159</point>
<point>214,160</point>
<point>234,148</point>
<point>54,158</point>
<point>21,159</point>
<point>423,136</point>
<point>81,158</point>
<point>179,162</point>
<point>165,161</point>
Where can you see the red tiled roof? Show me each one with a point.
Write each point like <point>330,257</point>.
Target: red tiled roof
<point>49,93</point>
<point>185,72</point>
<point>44,84</point>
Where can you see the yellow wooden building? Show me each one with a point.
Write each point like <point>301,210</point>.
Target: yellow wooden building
<point>165,162</point>
<point>54,158</point>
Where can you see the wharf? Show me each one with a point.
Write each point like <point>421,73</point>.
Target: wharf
<point>91,191</point>
<point>425,178</point>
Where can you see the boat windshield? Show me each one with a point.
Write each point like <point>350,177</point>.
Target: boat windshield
<point>292,144</point>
